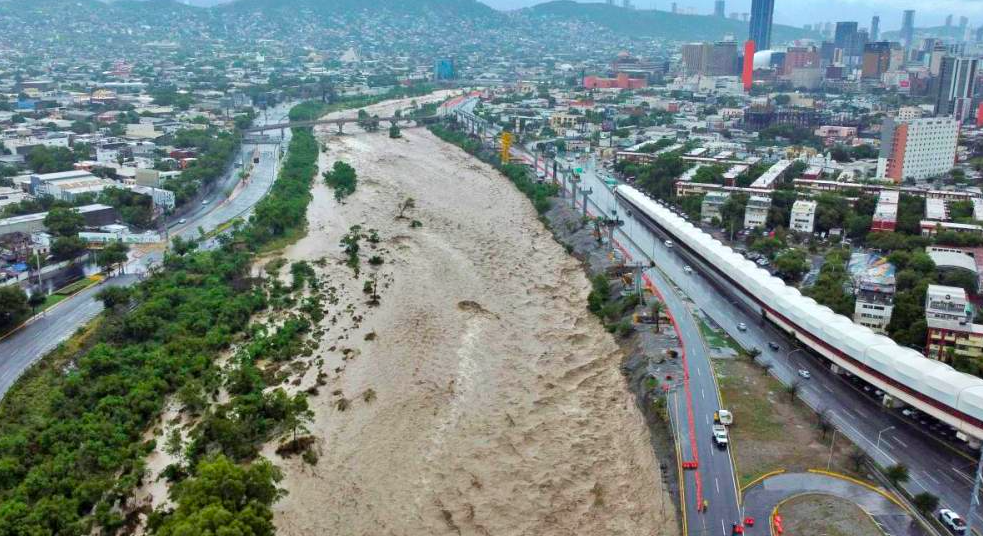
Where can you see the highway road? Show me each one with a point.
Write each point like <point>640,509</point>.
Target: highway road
<point>884,434</point>
<point>43,333</point>
<point>692,405</point>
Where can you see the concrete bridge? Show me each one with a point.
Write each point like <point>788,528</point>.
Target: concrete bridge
<point>340,123</point>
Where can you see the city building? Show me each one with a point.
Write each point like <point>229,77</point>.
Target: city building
<point>876,60</point>
<point>723,59</point>
<point>696,57</point>
<point>444,69</point>
<point>875,28</point>
<point>917,148</point>
<point>935,210</point>
<point>956,86</point>
<point>908,28</point>
<point>951,331</point>
<point>847,39</point>
<point>803,216</point>
<point>756,213</point>
<point>874,285</point>
<point>762,12</point>
<point>712,203</point>
<point>886,212</point>
<point>621,81</point>
<point>718,9</point>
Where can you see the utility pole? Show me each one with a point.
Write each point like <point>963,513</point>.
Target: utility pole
<point>586,192</point>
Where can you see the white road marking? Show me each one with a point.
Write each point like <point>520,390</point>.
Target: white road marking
<point>717,483</point>
<point>699,372</point>
<point>722,529</point>
<point>932,478</point>
<point>902,443</point>
<point>703,394</point>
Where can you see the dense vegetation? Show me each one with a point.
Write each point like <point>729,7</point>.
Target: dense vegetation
<point>71,431</point>
<point>343,179</point>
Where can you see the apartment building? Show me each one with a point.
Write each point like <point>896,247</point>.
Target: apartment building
<point>951,331</point>
<point>803,218</point>
<point>712,203</point>
<point>756,213</point>
<point>917,148</point>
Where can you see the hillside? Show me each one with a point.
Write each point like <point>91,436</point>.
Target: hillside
<point>656,24</point>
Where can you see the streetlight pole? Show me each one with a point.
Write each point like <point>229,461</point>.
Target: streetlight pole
<point>831,443</point>
<point>878,446</point>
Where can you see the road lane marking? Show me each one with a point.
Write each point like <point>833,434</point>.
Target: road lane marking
<point>703,394</point>
<point>698,372</point>
<point>932,478</point>
<point>902,443</point>
<point>717,483</point>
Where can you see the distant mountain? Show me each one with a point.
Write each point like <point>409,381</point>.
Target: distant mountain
<point>657,24</point>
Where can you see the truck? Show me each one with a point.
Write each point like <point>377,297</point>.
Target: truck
<point>720,435</point>
<point>723,417</point>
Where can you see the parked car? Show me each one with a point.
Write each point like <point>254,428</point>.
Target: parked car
<point>687,269</point>
<point>742,326</point>
<point>668,243</point>
<point>952,521</point>
<point>182,221</point>
<point>805,373</point>
<point>774,345</point>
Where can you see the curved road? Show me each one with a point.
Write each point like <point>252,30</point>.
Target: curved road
<point>20,349</point>
<point>762,498</point>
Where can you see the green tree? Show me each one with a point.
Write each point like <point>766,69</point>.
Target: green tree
<point>342,178</point>
<point>113,297</point>
<point>112,256</point>
<point>791,265</point>
<point>394,131</point>
<point>897,473</point>
<point>224,499</point>
<point>13,306</point>
<point>50,159</point>
<point>925,502</point>
<point>64,221</point>
<point>67,247</point>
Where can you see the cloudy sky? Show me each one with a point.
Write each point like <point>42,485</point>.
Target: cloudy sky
<point>799,12</point>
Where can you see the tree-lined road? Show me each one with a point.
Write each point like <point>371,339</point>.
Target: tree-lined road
<point>20,349</point>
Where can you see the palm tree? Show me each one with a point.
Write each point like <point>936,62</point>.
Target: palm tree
<point>897,473</point>
<point>792,389</point>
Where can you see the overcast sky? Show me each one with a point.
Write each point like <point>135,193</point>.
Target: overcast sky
<point>799,12</point>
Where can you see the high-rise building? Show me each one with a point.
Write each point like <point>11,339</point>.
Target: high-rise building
<point>908,28</point>
<point>718,9</point>
<point>917,148</point>
<point>963,23</point>
<point>762,12</point>
<point>800,58</point>
<point>876,60</point>
<point>696,57</point>
<point>723,59</point>
<point>948,21</point>
<point>849,40</point>
<point>956,85</point>
<point>875,28</point>
<point>444,69</point>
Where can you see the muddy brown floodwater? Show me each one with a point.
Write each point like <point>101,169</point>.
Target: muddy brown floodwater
<point>480,396</point>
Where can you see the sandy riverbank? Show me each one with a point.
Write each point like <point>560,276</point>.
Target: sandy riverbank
<point>489,401</point>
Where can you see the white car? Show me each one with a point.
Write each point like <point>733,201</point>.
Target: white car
<point>668,243</point>
<point>742,327</point>
<point>804,373</point>
<point>205,202</point>
<point>952,520</point>
<point>182,221</point>
<point>687,269</point>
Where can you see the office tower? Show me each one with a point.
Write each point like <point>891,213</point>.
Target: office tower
<point>877,60</point>
<point>963,23</point>
<point>917,148</point>
<point>948,21</point>
<point>747,69</point>
<point>908,28</point>
<point>696,57</point>
<point>718,9</point>
<point>845,35</point>
<point>444,69</point>
<point>674,7</point>
<point>723,59</point>
<point>761,15</point>
<point>956,85</point>
<point>979,34</point>
<point>875,28</point>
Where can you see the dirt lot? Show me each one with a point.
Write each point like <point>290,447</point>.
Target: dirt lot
<point>824,514</point>
<point>479,396</point>
<point>771,431</point>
